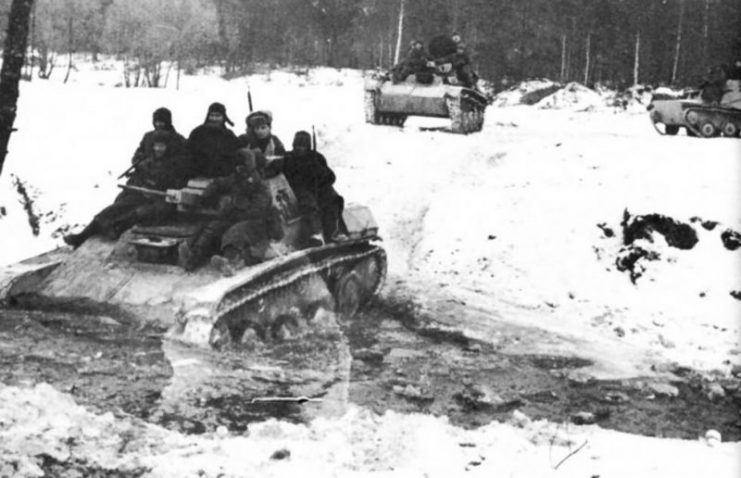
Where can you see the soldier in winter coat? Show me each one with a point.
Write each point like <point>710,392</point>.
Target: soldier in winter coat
<point>259,136</point>
<point>462,67</point>
<point>165,167</point>
<point>162,121</point>
<point>212,146</point>
<point>416,62</point>
<point>247,219</point>
<point>312,182</point>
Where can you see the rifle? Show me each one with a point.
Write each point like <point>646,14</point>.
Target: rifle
<point>155,192</point>
<point>132,167</point>
<point>249,97</point>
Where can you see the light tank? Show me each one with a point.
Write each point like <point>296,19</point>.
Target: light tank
<point>137,277</point>
<point>699,116</point>
<point>387,102</point>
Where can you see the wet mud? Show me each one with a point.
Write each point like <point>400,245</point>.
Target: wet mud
<point>387,358</point>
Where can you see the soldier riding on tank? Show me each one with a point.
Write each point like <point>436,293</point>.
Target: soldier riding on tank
<point>164,167</point>
<point>246,219</point>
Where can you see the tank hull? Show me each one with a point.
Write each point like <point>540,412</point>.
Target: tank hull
<point>137,278</point>
<point>391,103</point>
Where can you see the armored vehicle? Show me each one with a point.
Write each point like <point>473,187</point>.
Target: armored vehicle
<point>138,276</point>
<point>698,115</point>
<point>442,96</point>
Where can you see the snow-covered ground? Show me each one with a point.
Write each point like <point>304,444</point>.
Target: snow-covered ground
<point>505,220</point>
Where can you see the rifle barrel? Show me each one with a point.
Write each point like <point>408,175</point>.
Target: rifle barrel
<point>155,192</point>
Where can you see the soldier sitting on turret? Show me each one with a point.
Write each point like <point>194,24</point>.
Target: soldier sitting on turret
<point>311,180</point>
<point>712,89</point>
<point>246,223</point>
<point>462,67</point>
<point>416,63</point>
<point>212,145</point>
<point>164,168</point>
<point>259,136</point>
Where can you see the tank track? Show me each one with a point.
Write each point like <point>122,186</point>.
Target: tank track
<point>466,113</point>
<point>372,116</point>
<point>710,121</point>
<point>282,300</point>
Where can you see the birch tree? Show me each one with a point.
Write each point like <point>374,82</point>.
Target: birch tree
<point>14,53</point>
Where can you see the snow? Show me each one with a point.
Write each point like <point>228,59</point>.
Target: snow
<point>513,96</point>
<point>505,219</point>
<point>357,444</point>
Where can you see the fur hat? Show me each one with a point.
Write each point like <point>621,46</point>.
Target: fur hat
<point>302,138</point>
<point>162,114</point>
<point>259,118</point>
<point>219,108</point>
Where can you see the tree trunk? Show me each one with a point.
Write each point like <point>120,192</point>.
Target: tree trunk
<point>10,74</point>
<point>637,58</point>
<point>69,67</point>
<point>706,35</point>
<point>70,44</point>
<point>675,67</point>
<point>32,34</point>
<point>586,66</point>
<point>563,58</point>
<point>399,31</point>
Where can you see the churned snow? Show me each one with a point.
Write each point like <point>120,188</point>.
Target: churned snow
<point>506,219</point>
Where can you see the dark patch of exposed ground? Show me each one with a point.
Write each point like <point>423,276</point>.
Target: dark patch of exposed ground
<point>400,362</point>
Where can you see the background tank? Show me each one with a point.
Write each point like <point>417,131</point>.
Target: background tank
<point>136,278</point>
<point>390,103</point>
<point>698,115</point>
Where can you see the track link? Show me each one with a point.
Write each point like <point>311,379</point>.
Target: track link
<point>710,121</point>
<point>282,300</point>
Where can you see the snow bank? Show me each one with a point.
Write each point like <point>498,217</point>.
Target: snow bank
<point>516,94</point>
<point>573,96</point>
<point>40,425</point>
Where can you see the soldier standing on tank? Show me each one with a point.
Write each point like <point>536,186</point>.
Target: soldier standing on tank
<point>247,220</point>
<point>162,121</point>
<point>312,182</point>
<point>164,167</point>
<point>212,146</point>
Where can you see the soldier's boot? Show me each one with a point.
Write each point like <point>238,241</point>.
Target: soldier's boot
<point>76,240</point>
<point>331,223</point>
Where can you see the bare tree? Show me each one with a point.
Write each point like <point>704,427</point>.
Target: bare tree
<point>637,58</point>
<point>587,54</point>
<point>10,75</point>
<point>675,66</point>
<point>563,58</point>
<point>399,32</point>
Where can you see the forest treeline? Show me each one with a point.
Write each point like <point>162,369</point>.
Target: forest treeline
<point>617,42</point>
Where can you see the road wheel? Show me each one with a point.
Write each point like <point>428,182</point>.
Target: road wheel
<point>671,129</point>
<point>348,295</point>
<point>708,129</point>
<point>221,336</point>
<point>730,129</point>
<point>692,117</point>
